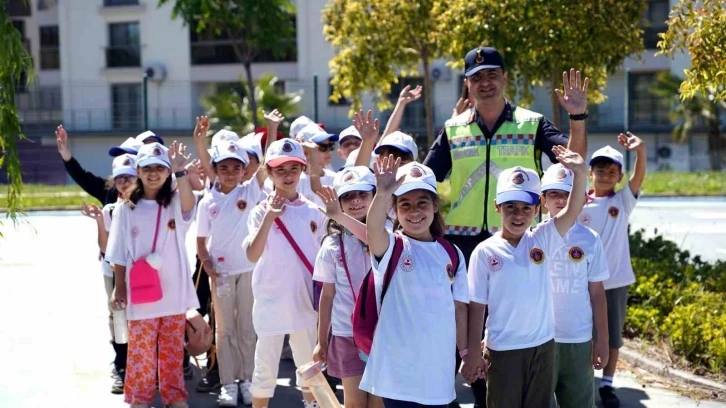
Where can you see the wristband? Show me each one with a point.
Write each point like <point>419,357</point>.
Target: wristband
<point>463,353</point>
<point>579,116</point>
<point>180,174</point>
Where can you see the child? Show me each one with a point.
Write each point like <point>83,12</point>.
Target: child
<point>425,314</point>
<point>508,276</point>
<point>394,142</point>
<point>349,140</point>
<point>153,219</point>
<point>282,279</point>
<point>341,266</point>
<point>221,228</point>
<point>607,212</point>
<point>324,145</point>
<point>577,271</point>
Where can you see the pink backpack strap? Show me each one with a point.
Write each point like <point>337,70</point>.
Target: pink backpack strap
<point>294,245</point>
<point>345,266</point>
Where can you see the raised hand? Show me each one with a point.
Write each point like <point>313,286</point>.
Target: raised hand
<point>61,140</point>
<point>461,106</point>
<point>385,169</point>
<point>407,95</point>
<point>275,206</point>
<point>92,211</point>
<point>273,119</point>
<point>573,96</point>
<point>630,142</point>
<point>201,129</point>
<point>368,128</point>
<point>330,198</point>
<point>569,159</point>
<point>178,157</point>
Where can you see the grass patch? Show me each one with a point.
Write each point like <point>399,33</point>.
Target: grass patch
<point>36,196</point>
<point>685,184</point>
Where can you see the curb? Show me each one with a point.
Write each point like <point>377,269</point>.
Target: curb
<point>638,360</point>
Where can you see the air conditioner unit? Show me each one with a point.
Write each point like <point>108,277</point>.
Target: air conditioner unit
<point>440,72</point>
<point>155,72</point>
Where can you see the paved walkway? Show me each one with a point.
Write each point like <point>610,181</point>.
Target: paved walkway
<point>55,339</point>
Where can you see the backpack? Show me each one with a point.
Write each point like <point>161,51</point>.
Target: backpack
<point>365,311</point>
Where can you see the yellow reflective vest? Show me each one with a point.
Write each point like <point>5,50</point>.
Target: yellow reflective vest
<point>477,161</point>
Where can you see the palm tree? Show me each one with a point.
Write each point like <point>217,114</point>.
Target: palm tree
<point>687,113</point>
<point>16,65</point>
<point>231,107</point>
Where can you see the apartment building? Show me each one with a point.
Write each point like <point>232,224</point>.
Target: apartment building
<point>90,56</point>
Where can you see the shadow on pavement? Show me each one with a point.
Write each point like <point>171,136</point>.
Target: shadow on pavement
<point>629,397</point>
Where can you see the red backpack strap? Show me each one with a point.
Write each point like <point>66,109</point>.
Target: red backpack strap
<point>393,263</point>
<point>294,245</point>
<point>451,251</point>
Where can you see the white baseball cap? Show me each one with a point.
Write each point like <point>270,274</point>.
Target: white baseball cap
<point>252,143</point>
<point>285,150</point>
<point>130,146</point>
<point>416,177</point>
<point>356,178</point>
<point>124,164</point>
<point>518,184</point>
<point>229,149</point>
<point>609,153</point>
<point>153,153</point>
<point>352,157</point>
<point>148,135</point>
<point>297,125</point>
<point>400,141</point>
<point>350,131</point>
<point>557,177</point>
<point>222,136</point>
<point>312,132</point>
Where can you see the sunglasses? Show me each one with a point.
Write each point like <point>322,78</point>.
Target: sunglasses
<point>328,147</point>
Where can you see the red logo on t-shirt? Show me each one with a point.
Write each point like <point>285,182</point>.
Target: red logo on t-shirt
<point>213,212</point>
<point>576,254</point>
<point>585,219</point>
<point>313,227</point>
<point>171,224</point>
<point>495,263</point>
<point>613,211</point>
<point>450,271</point>
<point>241,204</point>
<point>134,231</point>
<point>536,255</point>
<point>406,263</point>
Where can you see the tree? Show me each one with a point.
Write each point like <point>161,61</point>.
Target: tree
<point>232,110</point>
<point>699,29</point>
<point>540,39</point>
<point>16,65</point>
<point>254,27</point>
<point>688,112</point>
<point>376,40</point>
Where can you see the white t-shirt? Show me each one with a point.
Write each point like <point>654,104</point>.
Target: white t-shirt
<point>572,268</point>
<point>609,217</point>
<point>514,284</point>
<point>131,238</point>
<point>412,358</point>
<point>281,284</point>
<point>223,219</point>
<point>305,188</point>
<point>329,269</point>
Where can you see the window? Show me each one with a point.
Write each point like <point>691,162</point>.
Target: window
<point>343,101</point>
<point>18,8</point>
<point>645,108</point>
<point>126,106</point>
<point>655,17</point>
<point>20,26</point>
<point>124,48</point>
<point>111,3</point>
<point>209,47</point>
<point>49,50</point>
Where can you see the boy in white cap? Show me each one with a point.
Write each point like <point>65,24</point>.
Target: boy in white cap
<point>608,212</point>
<point>221,228</point>
<point>349,140</point>
<point>130,146</point>
<point>577,271</point>
<point>508,276</point>
<point>298,124</point>
<point>149,137</point>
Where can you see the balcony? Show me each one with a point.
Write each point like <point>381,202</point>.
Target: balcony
<point>123,56</point>
<point>210,52</point>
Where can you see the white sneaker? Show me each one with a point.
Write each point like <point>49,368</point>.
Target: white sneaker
<point>244,388</point>
<point>228,396</point>
<point>313,404</point>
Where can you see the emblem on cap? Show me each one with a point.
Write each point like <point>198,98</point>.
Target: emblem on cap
<point>232,148</point>
<point>156,151</point>
<point>127,162</point>
<point>576,254</point>
<point>348,177</point>
<point>479,59</point>
<point>561,174</point>
<point>518,178</point>
<point>287,147</point>
<point>536,255</point>
<point>416,172</point>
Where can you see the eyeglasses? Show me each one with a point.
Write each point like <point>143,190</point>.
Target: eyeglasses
<point>328,147</point>
<point>124,179</point>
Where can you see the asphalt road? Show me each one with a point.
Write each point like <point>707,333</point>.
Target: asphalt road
<point>54,336</point>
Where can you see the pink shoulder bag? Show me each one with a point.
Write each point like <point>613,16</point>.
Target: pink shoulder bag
<point>144,283</point>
